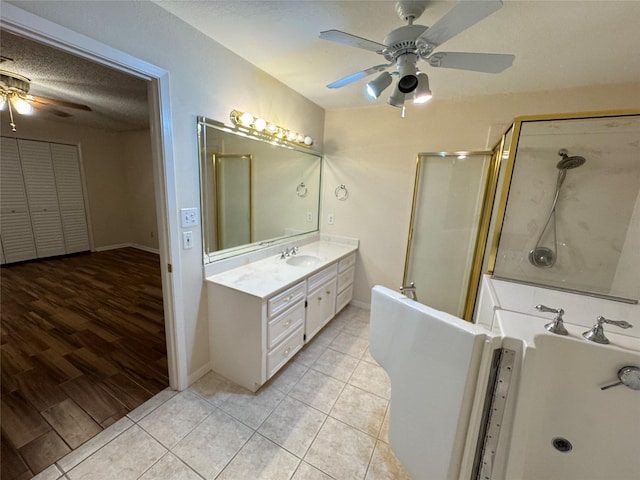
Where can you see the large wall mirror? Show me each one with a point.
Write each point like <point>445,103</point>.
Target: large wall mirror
<point>254,192</point>
<point>568,217</point>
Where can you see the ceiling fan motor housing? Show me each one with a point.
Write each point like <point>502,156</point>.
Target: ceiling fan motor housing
<point>14,82</point>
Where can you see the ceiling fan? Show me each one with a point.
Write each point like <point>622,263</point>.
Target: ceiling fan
<point>14,95</point>
<point>405,46</point>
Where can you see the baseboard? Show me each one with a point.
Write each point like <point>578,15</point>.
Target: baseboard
<point>356,303</point>
<point>127,245</point>
<point>199,373</point>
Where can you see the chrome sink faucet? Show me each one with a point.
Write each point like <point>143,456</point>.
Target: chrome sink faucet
<point>557,325</point>
<point>596,334</point>
<point>287,252</point>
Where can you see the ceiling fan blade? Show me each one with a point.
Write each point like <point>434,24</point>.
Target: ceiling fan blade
<point>477,62</point>
<point>50,109</point>
<point>464,14</point>
<point>60,103</point>
<point>358,75</point>
<point>351,40</point>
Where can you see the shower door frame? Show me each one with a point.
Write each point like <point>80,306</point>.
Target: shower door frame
<point>494,208</point>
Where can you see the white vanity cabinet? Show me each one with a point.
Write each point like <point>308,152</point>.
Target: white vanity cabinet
<point>346,271</point>
<point>252,338</point>
<point>262,313</point>
<point>321,300</point>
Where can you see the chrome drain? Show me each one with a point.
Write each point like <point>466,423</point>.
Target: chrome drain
<point>562,444</point>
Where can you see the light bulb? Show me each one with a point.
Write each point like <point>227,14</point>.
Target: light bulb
<point>260,124</point>
<point>308,140</point>
<point>246,119</point>
<point>300,138</point>
<point>21,105</point>
<point>292,136</point>
<point>272,128</point>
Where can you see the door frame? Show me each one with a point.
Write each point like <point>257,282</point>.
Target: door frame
<point>28,25</point>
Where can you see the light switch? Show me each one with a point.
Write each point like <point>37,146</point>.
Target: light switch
<point>188,217</point>
<point>187,240</point>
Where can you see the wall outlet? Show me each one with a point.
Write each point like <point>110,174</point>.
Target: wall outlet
<point>331,219</point>
<point>188,217</point>
<point>309,216</point>
<point>187,240</point>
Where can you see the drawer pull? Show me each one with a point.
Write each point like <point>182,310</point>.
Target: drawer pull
<point>286,352</point>
<point>319,299</point>
<point>289,298</point>
<point>328,292</point>
<point>287,323</point>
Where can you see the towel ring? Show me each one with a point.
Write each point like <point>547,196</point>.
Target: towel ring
<point>302,190</point>
<point>342,193</point>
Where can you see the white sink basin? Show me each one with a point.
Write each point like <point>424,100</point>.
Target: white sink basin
<point>303,260</point>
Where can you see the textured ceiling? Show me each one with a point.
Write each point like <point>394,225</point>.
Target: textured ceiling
<point>558,44</point>
<point>118,101</point>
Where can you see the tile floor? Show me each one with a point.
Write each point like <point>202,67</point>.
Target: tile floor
<point>324,416</point>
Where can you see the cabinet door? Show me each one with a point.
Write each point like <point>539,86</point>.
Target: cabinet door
<point>66,166</point>
<point>15,222</point>
<point>321,304</point>
<point>39,180</point>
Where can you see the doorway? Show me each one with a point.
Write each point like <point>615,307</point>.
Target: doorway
<point>15,21</point>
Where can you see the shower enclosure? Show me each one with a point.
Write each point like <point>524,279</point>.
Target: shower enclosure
<point>572,224</point>
<point>448,196</point>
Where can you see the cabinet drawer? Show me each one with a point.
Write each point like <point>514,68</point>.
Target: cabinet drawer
<point>344,298</point>
<point>283,353</point>
<point>321,277</point>
<point>285,323</point>
<point>284,300</point>
<point>345,278</point>
<point>347,262</point>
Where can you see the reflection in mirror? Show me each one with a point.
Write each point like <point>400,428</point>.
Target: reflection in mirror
<point>254,192</point>
<point>574,201</point>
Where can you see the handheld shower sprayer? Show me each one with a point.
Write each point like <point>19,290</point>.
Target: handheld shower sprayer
<point>544,257</point>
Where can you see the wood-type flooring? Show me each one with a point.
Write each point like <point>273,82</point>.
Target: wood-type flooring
<point>83,344</point>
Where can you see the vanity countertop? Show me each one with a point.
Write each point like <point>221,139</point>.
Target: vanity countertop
<point>265,277</point>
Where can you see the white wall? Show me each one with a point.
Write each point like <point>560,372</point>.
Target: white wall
<point>118,178</point>
<point>373,152</point>
<point>206,79</point>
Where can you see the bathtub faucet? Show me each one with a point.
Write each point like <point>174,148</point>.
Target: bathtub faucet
<point>596,334</point>
<point>557,325</point>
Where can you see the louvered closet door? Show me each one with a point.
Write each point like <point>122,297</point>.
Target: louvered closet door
<point>66,166</point>
<point>39,180</point>
<point>15,222</point>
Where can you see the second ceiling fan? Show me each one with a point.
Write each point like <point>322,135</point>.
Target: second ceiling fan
<point>405,46</point>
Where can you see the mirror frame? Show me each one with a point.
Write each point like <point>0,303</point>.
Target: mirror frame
<point>487,248</point>
<point>202,122</point>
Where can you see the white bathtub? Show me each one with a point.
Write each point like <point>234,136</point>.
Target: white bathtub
<point>558,397</point>
<point>554,394</point>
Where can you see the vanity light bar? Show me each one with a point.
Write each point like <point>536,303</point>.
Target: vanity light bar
<point>261,126</point>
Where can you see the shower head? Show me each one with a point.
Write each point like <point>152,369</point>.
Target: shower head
<point>568,162</point>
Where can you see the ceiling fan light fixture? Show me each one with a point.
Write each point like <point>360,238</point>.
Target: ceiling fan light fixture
<point>422,93</point>
<point>22,106</point>
<point>397,98</point>
<point>407,70</point>
<point>377,86</point>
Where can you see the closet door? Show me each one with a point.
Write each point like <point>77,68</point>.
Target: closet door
<point>37,170</point>
<point>15,223</point>
<point>66,166</point>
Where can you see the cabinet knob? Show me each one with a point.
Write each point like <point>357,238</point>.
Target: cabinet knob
<point>328,292</point>
<point>286,352</point>
<point>287,323</point>
<point>319,299</point>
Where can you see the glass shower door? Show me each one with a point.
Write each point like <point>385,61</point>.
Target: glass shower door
<point>447,203</point>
